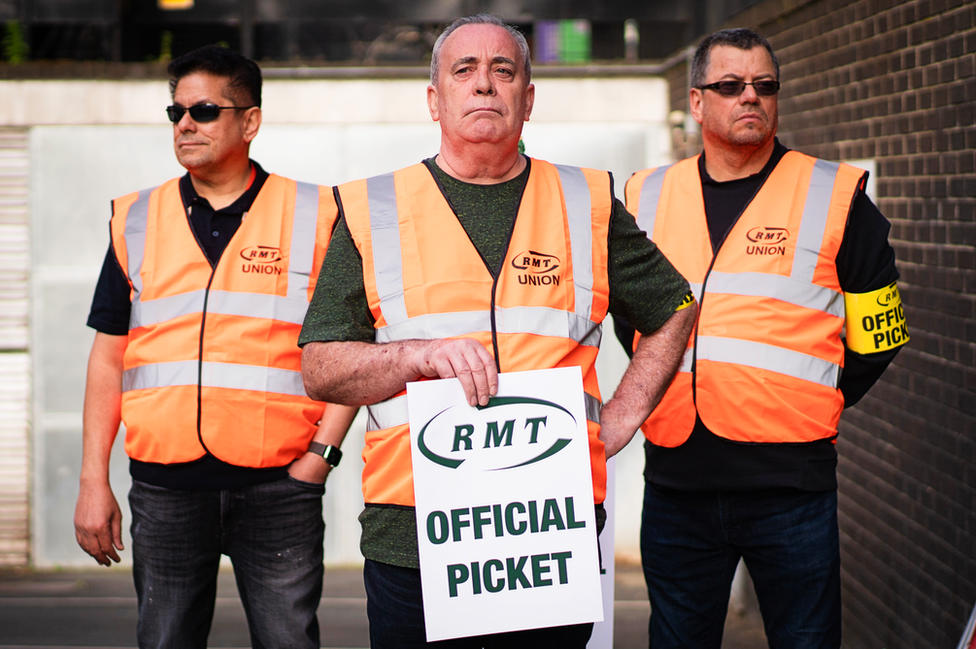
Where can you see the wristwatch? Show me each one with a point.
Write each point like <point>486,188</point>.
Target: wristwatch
<point>331,454</point>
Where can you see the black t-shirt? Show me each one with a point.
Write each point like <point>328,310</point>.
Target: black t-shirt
<point>110,310</point>
<point>865,262</point>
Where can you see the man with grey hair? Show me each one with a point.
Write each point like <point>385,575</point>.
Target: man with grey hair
<point>479,19</point>
<point>422,280</point>
<point>783,251</point>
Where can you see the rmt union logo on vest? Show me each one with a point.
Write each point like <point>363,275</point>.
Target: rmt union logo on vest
<point>540,268</point>
<point>261,259</point>
<point>767,241</point>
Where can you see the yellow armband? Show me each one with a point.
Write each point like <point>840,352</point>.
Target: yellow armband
<point>875,320</point>
<point>687,302</point>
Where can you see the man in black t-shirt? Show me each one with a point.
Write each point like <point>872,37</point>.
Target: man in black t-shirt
<point>197,312</point>
<point>782,250</point>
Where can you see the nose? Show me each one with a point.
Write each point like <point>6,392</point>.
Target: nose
<point>186,123</point>
<point>483,82</point>
<point>749,96</point>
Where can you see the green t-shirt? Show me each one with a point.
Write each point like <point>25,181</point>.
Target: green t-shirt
<point>645,289</point>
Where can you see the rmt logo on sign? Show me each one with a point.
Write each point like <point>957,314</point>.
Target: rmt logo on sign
<point>540,268</point>
<point>487,440</point>
<point>767,240</point>
<point>262,259</point>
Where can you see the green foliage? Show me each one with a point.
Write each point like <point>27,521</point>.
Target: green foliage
<point>165,46</point>
<point>13,44</point>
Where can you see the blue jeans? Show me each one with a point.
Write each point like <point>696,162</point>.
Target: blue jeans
<point>395,607</point>
<point>692,542</point>
<point>273,533</point>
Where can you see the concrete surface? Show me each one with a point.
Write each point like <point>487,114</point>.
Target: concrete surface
<point>96,609</point>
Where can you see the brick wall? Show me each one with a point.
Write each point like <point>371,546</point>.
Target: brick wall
<point>895,81</point>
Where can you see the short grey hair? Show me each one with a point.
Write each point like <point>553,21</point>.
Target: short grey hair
<point>479,19</point>
<point>741,38</point>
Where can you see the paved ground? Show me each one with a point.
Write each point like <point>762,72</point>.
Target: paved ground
<point>96,609</point>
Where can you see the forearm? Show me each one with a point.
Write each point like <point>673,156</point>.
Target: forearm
<point>357,373</point>
<point>335,424</point>
<point>98,519</point>
<point>861,371</point>
<point>336,419</point>
<point>102,406</point>
<point>653,366</point>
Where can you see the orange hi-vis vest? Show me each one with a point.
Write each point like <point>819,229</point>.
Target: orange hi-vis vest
<point>764,362</point>
<point>212,361</point>
<point>425,280</point>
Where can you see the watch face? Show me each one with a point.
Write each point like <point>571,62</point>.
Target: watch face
<point>332,456</point>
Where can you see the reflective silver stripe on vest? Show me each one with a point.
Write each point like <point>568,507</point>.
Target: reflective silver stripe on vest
<point>303,239</point>
<point>816,212</point>
<point>687,360</point>
<point>384,226</point>
<point>768,357</point>
<point>696,288</point>
<point>544,321</point>
<point>434,326</point>
<point>260,305</point>
<point>393,412</point>
<point>136,222</point>
<point>783,289</point>
<point>579,212</point>
<point>214,375</point>
<point>650,196</point>
<point>164,309</point>
<point>541,321</point>
<point>251,305</point>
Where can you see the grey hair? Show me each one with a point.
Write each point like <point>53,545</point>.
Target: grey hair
<point>479,19</point>
<point>744,39</point>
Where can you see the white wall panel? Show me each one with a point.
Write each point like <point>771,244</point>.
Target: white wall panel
<point>117,141</point>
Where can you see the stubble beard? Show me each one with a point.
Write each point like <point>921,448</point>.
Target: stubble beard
<point>747,138</point>
<point>752,135</point>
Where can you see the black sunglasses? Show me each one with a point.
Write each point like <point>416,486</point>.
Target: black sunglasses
<point>201,113</point>
<point>731,88</point>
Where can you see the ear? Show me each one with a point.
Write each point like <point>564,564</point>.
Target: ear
<point>432,102</point>
<point>252,123</point>
<point>695,104</point>
<point>529,100</point>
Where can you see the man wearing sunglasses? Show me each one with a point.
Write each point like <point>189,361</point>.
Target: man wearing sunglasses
<point>197,312</point>
<point>740,454</point>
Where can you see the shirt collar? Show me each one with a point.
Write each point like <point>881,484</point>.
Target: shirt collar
<point>778,152</point>
<point>243,203</point>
